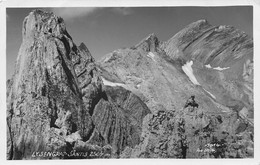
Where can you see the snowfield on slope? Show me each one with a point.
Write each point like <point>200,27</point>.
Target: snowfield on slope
<point>189,72</point>
<point>218,68</point>
<point>109,83</point>
<point>210,94</point>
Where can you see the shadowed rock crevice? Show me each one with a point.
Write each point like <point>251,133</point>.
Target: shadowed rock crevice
<point>70,76</point>
<point>101,95</point>
<point>89,133</point>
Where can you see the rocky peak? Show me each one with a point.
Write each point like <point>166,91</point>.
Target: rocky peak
<point>150,43</point>
<point>56,95</point>
<point>48,83</point>
<point>82,46</point>
<point>206,43</point>
<point>199,24</point>
<point>39,23</point>
<point>191,30</point>
<point>180,40</point>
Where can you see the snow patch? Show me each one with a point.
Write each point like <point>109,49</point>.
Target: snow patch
<point>216,68</point>
<point>109,83</point>
<point>208,66</point>
<point>210,94</point>
<point>189,72</point>
<point>151,55</point>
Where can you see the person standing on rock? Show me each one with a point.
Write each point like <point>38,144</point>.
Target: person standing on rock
<point>192,103</point>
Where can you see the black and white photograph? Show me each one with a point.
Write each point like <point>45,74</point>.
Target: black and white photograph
<point>129,82</point>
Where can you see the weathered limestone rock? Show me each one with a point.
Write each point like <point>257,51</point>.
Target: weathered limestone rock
<point>45,100</point>
<point>191,133</point>
<point>52,96</point>
<point>119,118</point>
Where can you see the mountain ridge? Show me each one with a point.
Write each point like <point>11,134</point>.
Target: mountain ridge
<point>162,76</point>
<point>134,102</point>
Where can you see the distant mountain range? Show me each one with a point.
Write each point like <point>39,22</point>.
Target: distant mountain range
<point>188,97</point>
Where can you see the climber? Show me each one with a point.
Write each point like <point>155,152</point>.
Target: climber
<point>191,102</point>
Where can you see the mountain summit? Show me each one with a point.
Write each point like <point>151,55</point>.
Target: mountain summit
<point>188,97</point>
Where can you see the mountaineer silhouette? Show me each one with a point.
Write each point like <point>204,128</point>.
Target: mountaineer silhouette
<point>191,103</point>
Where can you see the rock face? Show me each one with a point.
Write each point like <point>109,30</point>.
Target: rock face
<point>119,118</point>
<point>55,99</point>
<point>222,58</point>
<point>135,102</point>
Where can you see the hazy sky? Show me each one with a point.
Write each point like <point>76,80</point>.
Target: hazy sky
<point>106,29</point>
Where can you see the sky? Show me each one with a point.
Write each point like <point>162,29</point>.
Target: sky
<point>106,29</point>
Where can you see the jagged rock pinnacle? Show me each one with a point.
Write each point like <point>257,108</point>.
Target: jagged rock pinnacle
<point>150,43</point>
<point>48,75</point>
<point>39,23</point>
<point>56,98</point>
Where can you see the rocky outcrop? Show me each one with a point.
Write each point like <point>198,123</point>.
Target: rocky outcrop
<point>55,97</point>
<point>43,79</point>
<point>119,118</point>
<point>192,133</point>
